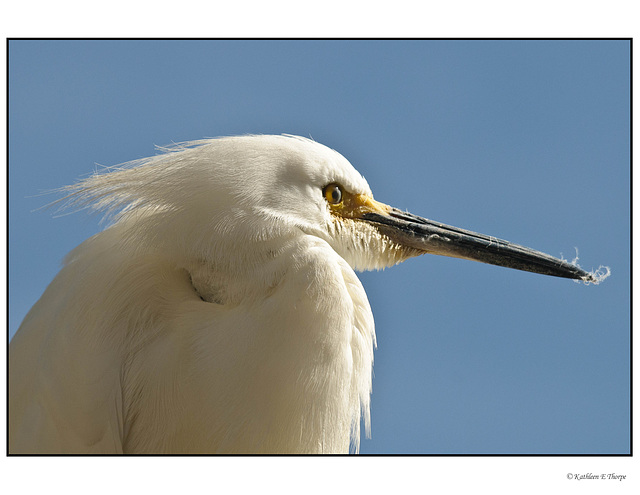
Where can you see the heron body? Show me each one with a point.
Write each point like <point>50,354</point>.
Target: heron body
<point>220,312</point>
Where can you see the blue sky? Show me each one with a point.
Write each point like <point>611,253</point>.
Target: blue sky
<point>524,140</point>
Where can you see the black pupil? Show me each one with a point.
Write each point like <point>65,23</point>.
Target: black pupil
<point>335,194</point>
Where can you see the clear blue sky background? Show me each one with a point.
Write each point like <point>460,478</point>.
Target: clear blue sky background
<point>524,140</point>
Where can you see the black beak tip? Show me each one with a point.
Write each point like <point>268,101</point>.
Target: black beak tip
<point>596,276</point>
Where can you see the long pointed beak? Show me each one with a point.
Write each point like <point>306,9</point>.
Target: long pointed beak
<point>437,238</point>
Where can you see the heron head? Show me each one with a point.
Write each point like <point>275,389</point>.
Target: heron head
<point>237,194</point>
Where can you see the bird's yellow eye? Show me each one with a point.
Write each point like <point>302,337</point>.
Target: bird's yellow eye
<point>333,194</point>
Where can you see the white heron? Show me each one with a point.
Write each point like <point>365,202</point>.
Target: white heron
<point>220,312</point>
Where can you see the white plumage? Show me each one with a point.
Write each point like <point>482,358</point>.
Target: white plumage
<point>122,354</point>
